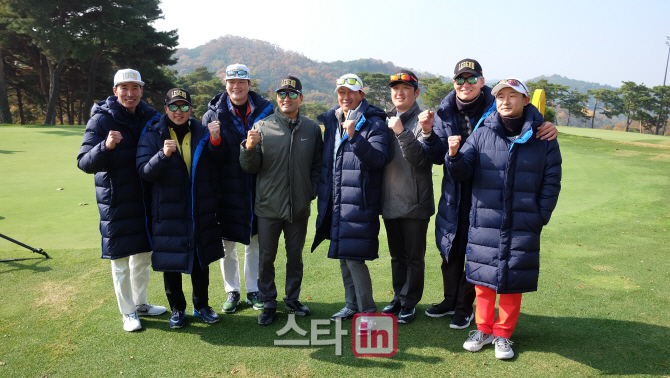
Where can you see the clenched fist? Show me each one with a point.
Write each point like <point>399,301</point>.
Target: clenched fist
<point>253,137</point>
<point>169,147</point>
<point>113,138</point>
<point>214,129</point>
<point>396,125</point>
<point>426,119</point>
<point>349,127</point>
<point>454,145</point>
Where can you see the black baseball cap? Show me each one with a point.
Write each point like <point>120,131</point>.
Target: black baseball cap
<point>177,94</point>
<point>291,83</point>
<point>398,78</point>
<point>470,66</point>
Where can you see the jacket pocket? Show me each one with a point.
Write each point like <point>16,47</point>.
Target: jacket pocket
<point>364,188</point>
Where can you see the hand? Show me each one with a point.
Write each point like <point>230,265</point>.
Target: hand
<point>169,147</point>
<point>214,129</point>
<point>547,131</point>
<point>349,126</point>
<point>396,125</point>
<point>253,137</point>
<point>113,138</point>
<point>454,145</point>
<point>426,119</point>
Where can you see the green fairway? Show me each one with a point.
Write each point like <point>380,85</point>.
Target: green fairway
<point>602,308</point>
<point>619,136</point>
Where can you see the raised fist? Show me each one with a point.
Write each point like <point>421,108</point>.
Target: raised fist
<point>426,119</point>
<point>396,125</point>
<point>113,138</point>
<point>253,137</point>
<point>454,144</point>
<point>214,130</point>
<point>169,147</point>
<point>349,127</point>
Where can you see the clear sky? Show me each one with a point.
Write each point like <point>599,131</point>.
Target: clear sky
<point>598,41</point>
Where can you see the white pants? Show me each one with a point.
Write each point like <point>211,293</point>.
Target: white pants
<point>230,267</point>
<point>131,279</point>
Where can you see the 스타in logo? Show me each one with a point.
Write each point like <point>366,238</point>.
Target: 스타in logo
<point>374,335</point>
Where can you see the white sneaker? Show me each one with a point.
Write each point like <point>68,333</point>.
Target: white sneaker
<point>131,322</point>
<point>477,340</point>
<point>503,348</point>
<point>365,325</point>
<point>149,309</point>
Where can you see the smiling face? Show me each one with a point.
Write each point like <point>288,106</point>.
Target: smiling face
<point>348,99</point>
<point>468,92</point>
<point>510,103</point>
<point>129,95</point>
<point>238,90</point>
<point>403,96</point>
<point>287,106</point>
<point>178,117</point>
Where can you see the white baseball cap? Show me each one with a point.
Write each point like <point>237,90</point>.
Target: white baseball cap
<point>513,83</point>
<point>128,75</point>
<point>237,71</point>
<point>347,80</point>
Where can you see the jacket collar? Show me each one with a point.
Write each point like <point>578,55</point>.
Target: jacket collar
<point>287,122</point>
<point>406,116</point>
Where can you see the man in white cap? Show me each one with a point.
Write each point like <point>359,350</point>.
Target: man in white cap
<point>236,111</point>
<point>108,151</point>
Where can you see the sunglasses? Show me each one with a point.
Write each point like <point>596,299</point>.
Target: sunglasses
<point>471,80</point>
<point>349,80</point>
<point>184,108</point>
<point>291,95</point>
<point>238,73</point>
<point>403,77</point>
<point>514,83</point>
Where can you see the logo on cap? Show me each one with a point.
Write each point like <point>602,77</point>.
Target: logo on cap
<point>179,93</point>
<point>466,64</point>
<point>288,82</point>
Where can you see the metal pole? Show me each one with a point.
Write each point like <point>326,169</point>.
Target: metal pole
<point>658,120</point>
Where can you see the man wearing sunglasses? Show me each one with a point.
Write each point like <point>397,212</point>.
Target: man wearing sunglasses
<point>235,112</point>
<point>284,151</point>
<point>462,111</point>
<point>177,156</point>
<point>349,191</point>
<point>108,151</point>
<point>408,198</point>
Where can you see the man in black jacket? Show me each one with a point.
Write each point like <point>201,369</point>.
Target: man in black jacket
<point>108,150</point>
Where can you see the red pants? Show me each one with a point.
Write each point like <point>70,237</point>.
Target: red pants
<point>509,307</point>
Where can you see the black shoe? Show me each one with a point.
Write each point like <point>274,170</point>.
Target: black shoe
<point>178,319</point>
<point>207,314</point>
<point>392,308</point>
<point>439,310</point>
<point>267,316</point>
<point>459,321</point>
<point>344,314</point>
<point>297,308</point>
<point>406,315</point>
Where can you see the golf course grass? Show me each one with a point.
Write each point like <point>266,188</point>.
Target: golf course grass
<point>602,307</point>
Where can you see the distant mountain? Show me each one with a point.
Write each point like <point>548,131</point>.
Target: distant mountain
<point>268,62</point>
<point>580,85</point>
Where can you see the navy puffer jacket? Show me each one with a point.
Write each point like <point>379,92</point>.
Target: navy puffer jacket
<point>515,188</point>
<point>118,188</point>
<point>183,208</point>
<point>235,212</point>
<point>349,214</point>
<point>454,204</point>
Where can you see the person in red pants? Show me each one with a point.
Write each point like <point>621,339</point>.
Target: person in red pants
<point>516,180</point>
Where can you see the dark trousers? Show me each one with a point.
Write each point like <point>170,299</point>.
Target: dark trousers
<point>269,231</point>
<point>459,294</point>
<point>175,292</point>
<point>407,246</point>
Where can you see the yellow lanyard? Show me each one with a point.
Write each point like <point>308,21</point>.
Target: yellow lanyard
<point>184,148</point>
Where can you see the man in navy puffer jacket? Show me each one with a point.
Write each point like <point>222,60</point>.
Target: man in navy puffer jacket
<point>516,180</point>
<point>108,151</point>
<point>350,188</point>
<point>176,155</point>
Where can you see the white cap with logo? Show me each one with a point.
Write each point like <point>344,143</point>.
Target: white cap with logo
<point>513,83</point>
<point>128,75</point>
<point>237,71</point>
<point>350,81</point>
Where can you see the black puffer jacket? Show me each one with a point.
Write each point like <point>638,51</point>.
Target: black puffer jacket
<point>118,188</point>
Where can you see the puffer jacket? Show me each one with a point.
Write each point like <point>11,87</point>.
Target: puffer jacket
<point>454,204</point>
<point>287,162</point>
<point>408,178</point>
<point>349,203</point>
<point>515,187</point>
<point>118,188</point>
<point>183,207</point>
<point>235,210</point>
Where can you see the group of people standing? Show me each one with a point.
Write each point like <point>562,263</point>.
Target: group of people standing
<point>178,194</point>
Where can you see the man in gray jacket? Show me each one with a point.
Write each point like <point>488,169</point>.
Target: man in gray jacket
<point>407,198</point>
<point>284,150</point>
